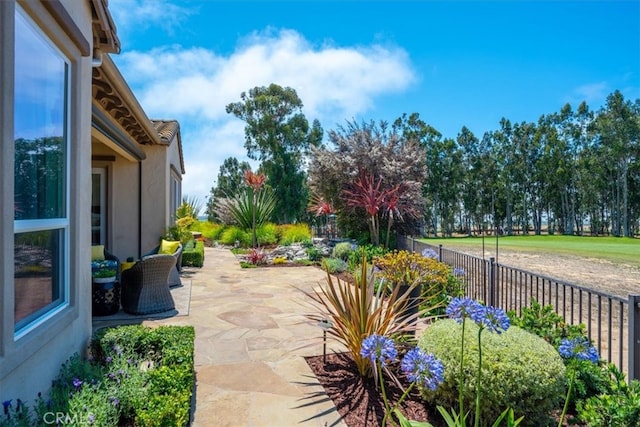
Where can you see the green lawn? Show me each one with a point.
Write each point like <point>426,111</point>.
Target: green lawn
<point>614,249</point>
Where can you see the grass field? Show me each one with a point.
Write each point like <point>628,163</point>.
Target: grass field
<point>613,249</point>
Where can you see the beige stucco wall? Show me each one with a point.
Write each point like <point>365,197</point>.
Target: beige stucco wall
<point>155,196</point>
<point>28,364</point>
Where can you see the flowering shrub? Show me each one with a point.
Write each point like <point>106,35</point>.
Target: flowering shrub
<point>135,376</point>
<point>420,368</point>
<point>409,268</point>
<point>576,350</point>
<point>519,370</point>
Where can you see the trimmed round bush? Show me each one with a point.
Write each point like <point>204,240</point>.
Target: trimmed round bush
<point>342,250</point>
<point>519,370</point>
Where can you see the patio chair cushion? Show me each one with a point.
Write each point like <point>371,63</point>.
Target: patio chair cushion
<point>168,247</point>
<point>97,253</point>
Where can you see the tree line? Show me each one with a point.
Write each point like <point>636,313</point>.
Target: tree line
<point>575,171</point>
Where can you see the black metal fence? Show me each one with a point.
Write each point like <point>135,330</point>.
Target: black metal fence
<point>612,322</point>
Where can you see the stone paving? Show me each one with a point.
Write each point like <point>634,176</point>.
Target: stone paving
<point>251,340</point>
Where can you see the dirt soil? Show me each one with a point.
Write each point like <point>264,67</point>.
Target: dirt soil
<point>356,399</point>
<point>597,274</point>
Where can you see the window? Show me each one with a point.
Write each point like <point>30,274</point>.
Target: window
<point>98,206</point>
<point>175,198</point>
<point>41,191</point>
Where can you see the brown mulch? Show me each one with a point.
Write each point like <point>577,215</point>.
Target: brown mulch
<point>357,400</point>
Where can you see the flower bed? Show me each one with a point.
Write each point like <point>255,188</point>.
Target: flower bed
<point>134,376</point>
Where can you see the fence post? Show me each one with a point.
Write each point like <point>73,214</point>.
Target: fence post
<point>634,337</point>
<point>440,253</point>
<point>413,244</point>
<point>491,290</point>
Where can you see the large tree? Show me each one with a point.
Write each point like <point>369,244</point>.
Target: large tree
<point>278,135</point>
<point>230,181</point>
<point>370,171</point>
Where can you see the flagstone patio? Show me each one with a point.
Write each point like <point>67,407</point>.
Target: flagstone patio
<point>251,340</point>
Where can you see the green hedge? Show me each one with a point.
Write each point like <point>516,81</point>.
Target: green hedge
<point>168,352</point>
<point>134,376</point>
<point>519,370</point>
<point>193,255</point>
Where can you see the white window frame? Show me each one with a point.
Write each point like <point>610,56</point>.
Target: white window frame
<point>52,224</point>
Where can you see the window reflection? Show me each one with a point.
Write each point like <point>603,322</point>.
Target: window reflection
<point>40,174</point>
<point>40,114</point>
<point>37,274</point>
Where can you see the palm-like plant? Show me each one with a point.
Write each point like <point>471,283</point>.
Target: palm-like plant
<point>369,193</point>
<point>356,311</point>
<point>253,205</point>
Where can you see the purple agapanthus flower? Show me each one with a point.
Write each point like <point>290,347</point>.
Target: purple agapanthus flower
<point>77,383</point>
<point>108,359</point>
<point>114,400</point>
<point>6,404</point>
<point>376,347</point>
<point>462,307</point>
<point>91,419</point>
<point>422,368</point>
<point>430,253</point>
<point>493,319</point>
<point>578,348</point>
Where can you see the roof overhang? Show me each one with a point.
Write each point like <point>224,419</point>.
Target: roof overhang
<point>112,95</point>
<point>104,29</point>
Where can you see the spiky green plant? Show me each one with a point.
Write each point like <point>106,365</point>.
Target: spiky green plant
<point>253,205</point>
<point>357,311</point>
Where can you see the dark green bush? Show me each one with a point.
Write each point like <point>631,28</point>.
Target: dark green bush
<point>135,375</point>
<point>519,371</point>
<point>618,406</point>
<point>371,251</point>
<point>314,254</point>
<point>168,351</point>
<point>194,256</point>
<point>591,379</point>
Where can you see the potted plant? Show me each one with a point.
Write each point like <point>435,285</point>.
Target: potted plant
<point>104,275</point>
<point>105,288</point>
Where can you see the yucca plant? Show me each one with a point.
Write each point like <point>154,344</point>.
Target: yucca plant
<point>253,205</point>
<point>357,311</point>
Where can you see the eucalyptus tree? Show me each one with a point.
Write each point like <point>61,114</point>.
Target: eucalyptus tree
<point>443,184</point>
<point>617,129</point>
<point>231,177</point>
<point>278,135</point>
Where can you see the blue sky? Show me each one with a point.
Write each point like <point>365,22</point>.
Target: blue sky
<point>456,63</point>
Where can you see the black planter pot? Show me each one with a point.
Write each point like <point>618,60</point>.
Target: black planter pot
<point>413,305</point>
<point>105,298</point>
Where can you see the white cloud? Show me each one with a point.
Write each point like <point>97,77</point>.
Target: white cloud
<point>193,85</point>
<point>134,15</point>
<point>592,93</point>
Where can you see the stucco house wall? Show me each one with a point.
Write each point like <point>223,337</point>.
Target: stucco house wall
<point>29,360</point>
<point>108,131</point>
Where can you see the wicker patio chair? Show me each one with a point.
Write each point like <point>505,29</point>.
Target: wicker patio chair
<point>174,276</point>
<point>145,287</point>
